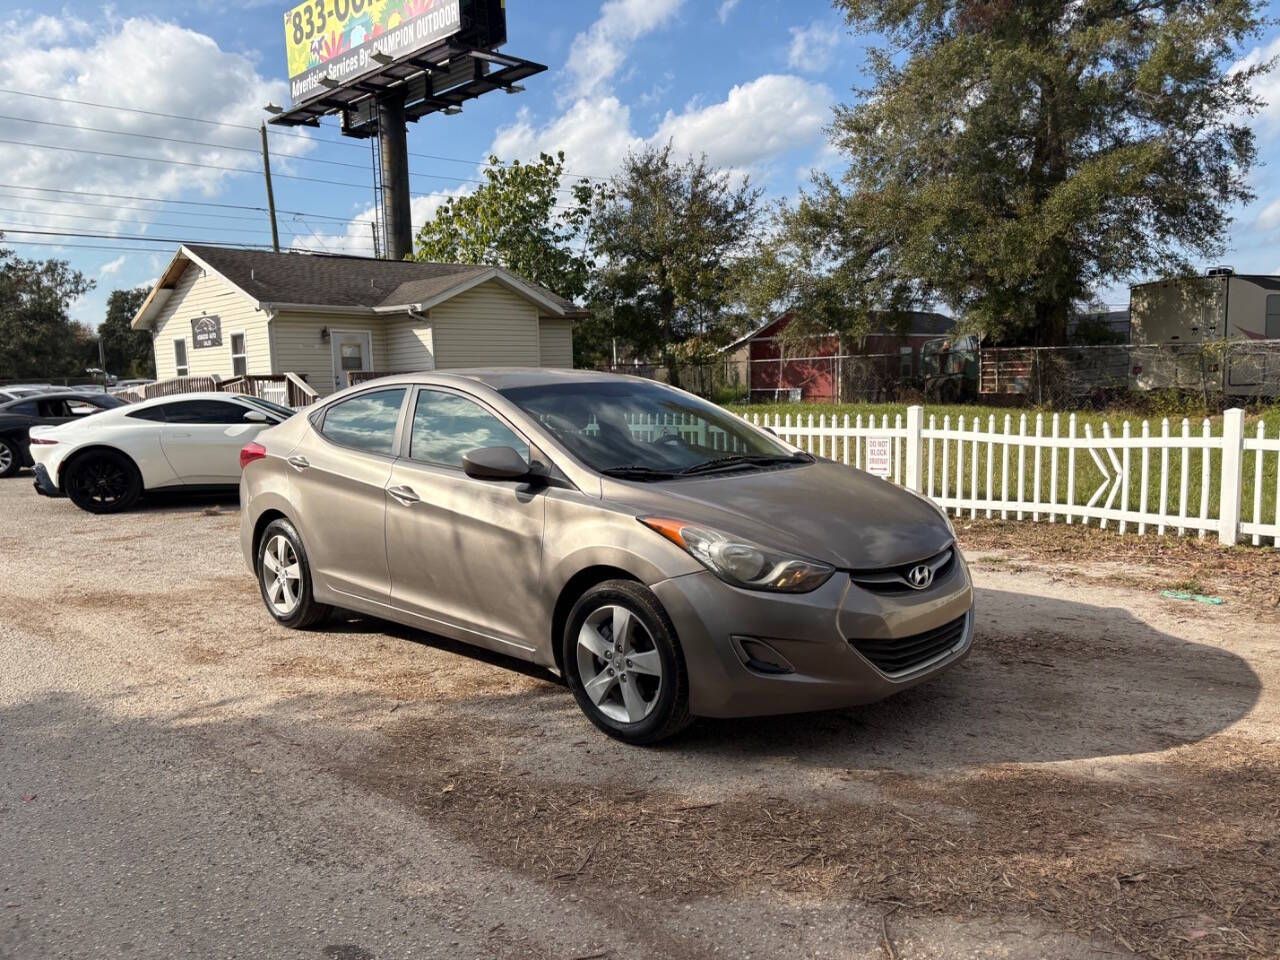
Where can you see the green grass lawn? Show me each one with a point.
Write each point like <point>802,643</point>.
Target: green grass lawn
<point>1087,475</point>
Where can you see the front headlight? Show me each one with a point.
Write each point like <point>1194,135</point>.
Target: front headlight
<point>742,563</point>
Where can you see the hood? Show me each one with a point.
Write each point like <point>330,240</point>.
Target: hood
<point>824,511</point>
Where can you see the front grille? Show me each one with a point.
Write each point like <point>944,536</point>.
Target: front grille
<point>907,653</point>
<point>894,579</point>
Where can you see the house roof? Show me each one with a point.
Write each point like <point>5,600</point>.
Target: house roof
<point>919,323</point>
<point>298,281</point>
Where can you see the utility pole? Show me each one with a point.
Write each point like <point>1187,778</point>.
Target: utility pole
<point>394,148</point>
<point>271,194</point>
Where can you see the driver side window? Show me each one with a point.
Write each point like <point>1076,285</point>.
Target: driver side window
<point>446,426</point>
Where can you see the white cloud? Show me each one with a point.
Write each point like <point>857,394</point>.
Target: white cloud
<point>358,239</point>
<point>814,47</point>
<point>1269,219</point>
<point>726,9</point>
<point>112,267</point>
<point>147,65</point>
<point>758,120</point>
<point>1267,87</point>
<point>599,52</point>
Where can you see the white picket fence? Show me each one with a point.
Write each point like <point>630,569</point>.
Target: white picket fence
<point>1049,469</point>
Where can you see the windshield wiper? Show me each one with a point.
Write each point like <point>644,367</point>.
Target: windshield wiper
<point>743,460</point>
<point>638,472</point>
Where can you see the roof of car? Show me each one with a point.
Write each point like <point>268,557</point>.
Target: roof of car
<point>60,395</point>
<point>508,378</point>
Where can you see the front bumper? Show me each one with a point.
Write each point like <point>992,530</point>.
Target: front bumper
<point>44,483</point>
<point>812,633</point>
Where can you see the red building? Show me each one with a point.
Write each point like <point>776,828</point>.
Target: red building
<point>831,367</point>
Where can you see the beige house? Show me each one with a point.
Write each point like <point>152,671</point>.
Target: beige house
<point>225,312</point>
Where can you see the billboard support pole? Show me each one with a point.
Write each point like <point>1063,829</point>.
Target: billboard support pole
<point>271,194</point>
<point>394,148</point>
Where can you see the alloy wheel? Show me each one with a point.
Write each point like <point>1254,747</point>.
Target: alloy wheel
<point>282,576</point>
<point>619,664</point>
<point>6,458</point>
<point>102,481</point>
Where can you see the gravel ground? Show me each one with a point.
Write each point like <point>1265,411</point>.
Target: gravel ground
<point>180,777</point>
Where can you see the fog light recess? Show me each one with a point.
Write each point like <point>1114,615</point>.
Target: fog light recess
<point>760,657</point>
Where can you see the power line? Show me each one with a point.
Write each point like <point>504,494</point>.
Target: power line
<point>153,223</point>
<point>117,206</point>
<point>180,163</point>
<point>23,231</point>
<point>278,133</point>
<point>185,203</point>
<point>76,246</point>
<point>238,149</point>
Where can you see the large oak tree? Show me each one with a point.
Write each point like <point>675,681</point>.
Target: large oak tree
<point>1011,156</point>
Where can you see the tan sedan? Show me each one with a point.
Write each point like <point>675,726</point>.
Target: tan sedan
<point>666,558</point>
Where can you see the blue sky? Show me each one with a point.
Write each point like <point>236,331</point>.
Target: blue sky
<point>750,82</point>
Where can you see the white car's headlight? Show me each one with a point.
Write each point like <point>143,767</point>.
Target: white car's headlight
<point>740,562</point>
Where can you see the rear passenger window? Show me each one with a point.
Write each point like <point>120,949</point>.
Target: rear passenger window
<point>204,411</point>
<point>366,422</point>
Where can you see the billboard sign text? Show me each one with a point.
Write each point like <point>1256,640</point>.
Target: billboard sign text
<point>337,39</point>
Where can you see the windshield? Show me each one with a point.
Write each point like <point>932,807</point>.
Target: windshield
<point>631,427</point>
<point>284,413</point>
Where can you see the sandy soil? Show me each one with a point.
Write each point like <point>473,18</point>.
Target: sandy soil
<point>1101,777</point>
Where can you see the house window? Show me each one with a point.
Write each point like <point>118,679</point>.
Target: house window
<point>1273,317</point>
<point>905,358</point>
<point>180,358</point>
<point>239,356</point>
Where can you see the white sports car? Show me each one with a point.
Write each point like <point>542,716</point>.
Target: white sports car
<point>192,441</point>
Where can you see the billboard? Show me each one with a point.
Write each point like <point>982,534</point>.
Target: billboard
<point>338,38</point>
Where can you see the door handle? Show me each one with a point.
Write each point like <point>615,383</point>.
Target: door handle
<point>180,436</point>
<point>299,463</point>
<point>404,496</point>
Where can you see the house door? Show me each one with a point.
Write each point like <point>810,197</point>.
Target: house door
<point>352,353</point>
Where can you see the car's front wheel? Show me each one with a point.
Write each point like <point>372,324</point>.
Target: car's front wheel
<point>623,662</point>
<point>284,575</point>
<point>102,481</point>
<point>10,457</point>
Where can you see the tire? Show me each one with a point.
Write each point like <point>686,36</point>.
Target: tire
<point>289,599</point>
<point>102,481</point>
<point>631,704</point>
<point>10,457</point>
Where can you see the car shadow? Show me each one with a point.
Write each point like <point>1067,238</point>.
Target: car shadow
<point>186,501</point>
<point>356,624</point>
<point>1047,680</point>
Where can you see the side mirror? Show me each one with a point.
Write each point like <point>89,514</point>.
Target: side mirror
<point>256,416</point>
<point>495,463</point>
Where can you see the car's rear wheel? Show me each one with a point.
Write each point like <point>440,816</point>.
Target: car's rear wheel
<point>624,664</point>
<point>10,458</point>
<point>284,575</point>
<point>102,481</point>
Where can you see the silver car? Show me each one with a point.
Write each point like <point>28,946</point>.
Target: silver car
<point>667,559</point>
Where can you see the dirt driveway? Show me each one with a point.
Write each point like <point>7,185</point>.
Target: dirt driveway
<point>183,778</point>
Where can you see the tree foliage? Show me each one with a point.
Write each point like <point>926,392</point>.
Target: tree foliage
<point>1012,155</point>
<point>38,338</point>
<point>669,238</point>
<point>520,219</point>
<point>128,352</point>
